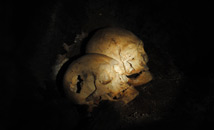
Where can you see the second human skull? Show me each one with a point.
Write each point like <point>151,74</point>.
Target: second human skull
<point>126,48</point>
<point>95,77</point>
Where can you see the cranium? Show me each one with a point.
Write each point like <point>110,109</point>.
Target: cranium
<point>126,48</point>
<point>95,77</point>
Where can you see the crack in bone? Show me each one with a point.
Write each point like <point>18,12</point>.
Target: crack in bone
<point>79,84</point>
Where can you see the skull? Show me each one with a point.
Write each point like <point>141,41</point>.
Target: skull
<point>96,77</point>
<point>126,48</point>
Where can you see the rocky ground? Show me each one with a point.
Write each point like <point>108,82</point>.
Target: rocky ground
<point>180,95</point>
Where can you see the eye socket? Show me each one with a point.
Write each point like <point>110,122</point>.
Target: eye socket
<point>145,57</point>
<point>133,76</point>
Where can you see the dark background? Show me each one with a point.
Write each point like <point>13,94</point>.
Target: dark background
<point>176,36</point>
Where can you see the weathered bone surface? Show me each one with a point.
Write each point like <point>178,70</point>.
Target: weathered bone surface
<point>95,77</point>
<point>125,47</point>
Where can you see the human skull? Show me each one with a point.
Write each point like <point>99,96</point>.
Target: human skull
<point>95,77</point>
<point>126,48</point>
